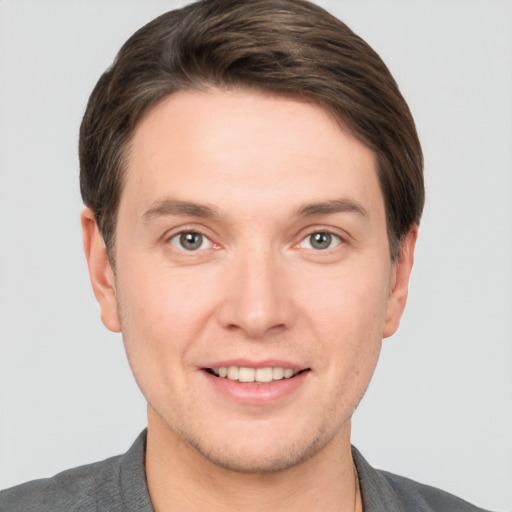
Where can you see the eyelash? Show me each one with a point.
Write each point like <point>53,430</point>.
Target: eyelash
<point>331,237</point>
<point>177,239</point>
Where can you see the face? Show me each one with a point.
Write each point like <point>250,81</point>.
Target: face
<point>253,280</point>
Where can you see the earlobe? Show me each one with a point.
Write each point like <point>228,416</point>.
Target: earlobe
<point>100,271</point>
<point>400,283</point>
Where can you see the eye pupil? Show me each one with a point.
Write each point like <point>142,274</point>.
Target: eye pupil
<point>320,240</point>
<point>191,241</point>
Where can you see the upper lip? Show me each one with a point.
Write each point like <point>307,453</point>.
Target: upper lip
<point>251,363</point>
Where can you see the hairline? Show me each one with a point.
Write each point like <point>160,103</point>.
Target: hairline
<point>205,85</point>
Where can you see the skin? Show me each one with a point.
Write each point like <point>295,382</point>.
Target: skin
<point>252,170</point>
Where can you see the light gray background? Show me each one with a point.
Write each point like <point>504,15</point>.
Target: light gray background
<point>439,409</point>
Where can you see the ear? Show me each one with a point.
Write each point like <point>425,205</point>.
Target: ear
<point>400,282</point>
<point>100,271</point>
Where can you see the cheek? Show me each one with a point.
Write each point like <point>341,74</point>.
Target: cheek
<point>159,324</point>
<point>348,313</point>
<point>165,315</point>
<point>348,303</point>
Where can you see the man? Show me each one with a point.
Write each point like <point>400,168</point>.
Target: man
<point>253,183</point>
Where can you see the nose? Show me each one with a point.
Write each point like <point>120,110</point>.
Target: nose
<point>256,298</point>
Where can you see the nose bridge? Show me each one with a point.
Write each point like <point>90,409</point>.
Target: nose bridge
<point>255,297</point>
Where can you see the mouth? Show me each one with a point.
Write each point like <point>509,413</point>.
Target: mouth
<point>254,375</point>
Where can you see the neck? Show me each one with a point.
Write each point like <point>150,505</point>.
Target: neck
<point>181,479</point>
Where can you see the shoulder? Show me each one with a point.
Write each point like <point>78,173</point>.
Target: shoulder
<point>419,496</point>
<point>117,484</point>
<point>72,490</point>
<point>383,491</point>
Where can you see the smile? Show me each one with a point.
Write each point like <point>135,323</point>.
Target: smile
<point>257,375</point>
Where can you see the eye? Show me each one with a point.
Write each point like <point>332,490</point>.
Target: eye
<point>190,241</point>
<point>320,241</point>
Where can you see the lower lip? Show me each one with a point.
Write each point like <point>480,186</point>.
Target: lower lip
<point>250,393</point>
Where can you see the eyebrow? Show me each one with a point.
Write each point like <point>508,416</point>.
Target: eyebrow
<point>168,207</point>
<point>333,206</point>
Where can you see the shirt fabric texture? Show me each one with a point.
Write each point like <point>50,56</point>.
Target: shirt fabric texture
<point>119,484</point>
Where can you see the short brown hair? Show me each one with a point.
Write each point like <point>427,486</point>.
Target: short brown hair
<point>290,47</point>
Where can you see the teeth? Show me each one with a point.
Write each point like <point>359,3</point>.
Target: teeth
<point>232,373</point>
<point>277,373</point>
<point>246,374</point>
<point>288,373</point>
<point>262,375</point>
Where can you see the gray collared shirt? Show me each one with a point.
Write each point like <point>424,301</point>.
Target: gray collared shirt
<point>119,484</point>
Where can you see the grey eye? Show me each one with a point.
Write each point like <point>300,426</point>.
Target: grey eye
<point>320,240</point>
<point>190,241</point>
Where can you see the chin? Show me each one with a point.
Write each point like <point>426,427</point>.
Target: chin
<point>259,454</point>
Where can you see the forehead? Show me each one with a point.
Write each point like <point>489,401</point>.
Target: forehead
<point>220,146</point>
